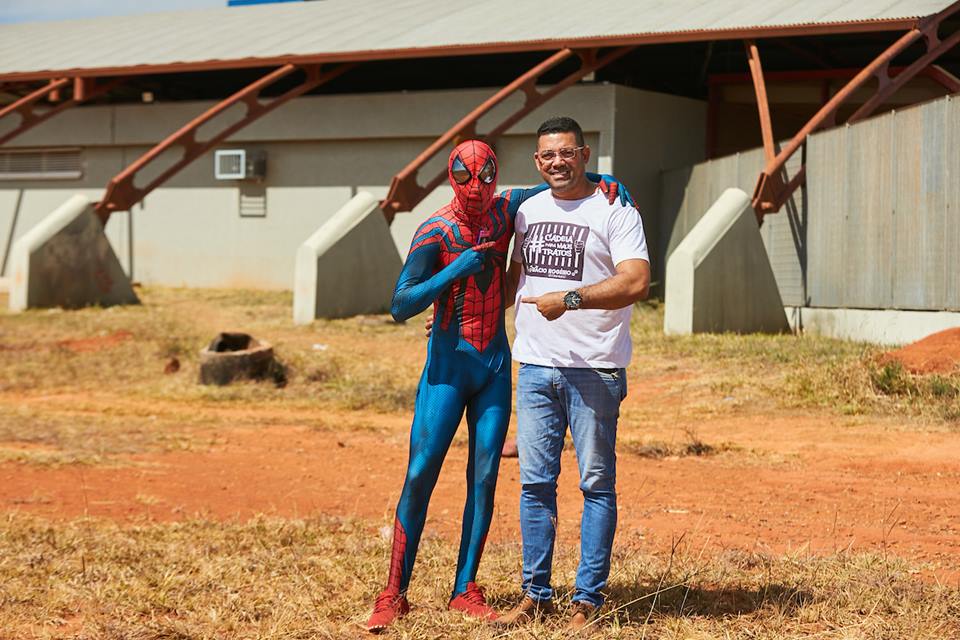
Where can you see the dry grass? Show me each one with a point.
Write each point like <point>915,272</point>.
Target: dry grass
<point>804,371</point>
<point>689,445</point>
<point>326,365</point>
<point>272,578</point>
<point>110,398</point>
<point>72,437</point>
<point>316,579</point>
<point>179,323</point>
<point>366,364</point>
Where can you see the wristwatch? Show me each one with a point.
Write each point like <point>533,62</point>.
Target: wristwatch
<point>572,300</point>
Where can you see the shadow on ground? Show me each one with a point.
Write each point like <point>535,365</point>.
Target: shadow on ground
<point>638,602</point>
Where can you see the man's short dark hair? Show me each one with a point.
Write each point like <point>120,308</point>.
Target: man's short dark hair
<point>562,124</point>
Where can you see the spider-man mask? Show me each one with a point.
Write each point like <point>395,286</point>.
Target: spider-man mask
<point>473,175</point>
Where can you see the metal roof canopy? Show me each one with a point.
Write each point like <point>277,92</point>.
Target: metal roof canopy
<point>340,30</point>
<point>300,37</point>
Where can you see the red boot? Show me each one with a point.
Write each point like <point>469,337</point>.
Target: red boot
<point>473,603</point>
<point>389,606</point>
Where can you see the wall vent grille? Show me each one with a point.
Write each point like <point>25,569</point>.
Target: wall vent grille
<point>40,164</point>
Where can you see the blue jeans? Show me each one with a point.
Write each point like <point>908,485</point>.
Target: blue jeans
<point>548,400</point>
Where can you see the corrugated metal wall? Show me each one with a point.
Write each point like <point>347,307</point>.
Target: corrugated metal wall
<point>687,193</point>
<point>878,224</point>
<point>884,201</point>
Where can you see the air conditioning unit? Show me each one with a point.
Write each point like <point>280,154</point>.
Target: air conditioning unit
<point>239,164</point>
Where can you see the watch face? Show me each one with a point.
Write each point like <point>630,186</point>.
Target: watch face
<point>572,300</point>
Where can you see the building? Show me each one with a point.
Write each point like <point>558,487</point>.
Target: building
<point>659,87</point>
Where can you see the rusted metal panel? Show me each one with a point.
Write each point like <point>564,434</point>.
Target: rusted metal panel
<point>919,222</point>
<point>870,246</point>
<point>336,31</point>
<point>951,256</point>
<point>784,234</point>
<point>826,231</point>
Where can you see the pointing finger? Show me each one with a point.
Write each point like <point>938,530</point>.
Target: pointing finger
<point>483,246</point>
<point>530,299</point>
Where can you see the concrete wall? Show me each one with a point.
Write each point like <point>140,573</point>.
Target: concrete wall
<point>65,260</point>
<point>719,277</point>
<point>689,191</point>
<point>321,151</point>
<point>880,326</point>
<point>351,248</point>
<point>653,133</point>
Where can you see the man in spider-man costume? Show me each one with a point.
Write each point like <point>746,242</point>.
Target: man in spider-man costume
<point>457,262</point>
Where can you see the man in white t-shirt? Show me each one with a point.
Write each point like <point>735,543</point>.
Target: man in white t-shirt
<point>579,264</point>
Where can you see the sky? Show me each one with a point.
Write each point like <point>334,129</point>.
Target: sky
<point>39,10</point>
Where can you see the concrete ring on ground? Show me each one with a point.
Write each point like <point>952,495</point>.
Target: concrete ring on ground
<point>235,356</point>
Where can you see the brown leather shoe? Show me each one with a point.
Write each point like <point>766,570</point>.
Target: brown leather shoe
<point>527,611</point>
<point>581,613</point>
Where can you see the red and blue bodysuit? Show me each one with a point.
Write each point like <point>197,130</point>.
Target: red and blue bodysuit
<point>457,262</point>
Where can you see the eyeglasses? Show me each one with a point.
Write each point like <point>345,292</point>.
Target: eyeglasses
<point>567,153</point>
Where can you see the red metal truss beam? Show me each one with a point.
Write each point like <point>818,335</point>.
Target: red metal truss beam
<point>405,192</point>
<point>889,85</point>
<point>83,89</point>
<point>772,190</point>
<point>24,107</point>
<point>824,76</point>
<point>944,77</point>
<point>763,105</point>
<point>122,193</point>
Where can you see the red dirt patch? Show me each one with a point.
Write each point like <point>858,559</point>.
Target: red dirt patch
<point>937,353</point>
<point>95,343</point>
<point>798,482</point>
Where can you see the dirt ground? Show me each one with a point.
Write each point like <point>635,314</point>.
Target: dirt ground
<point>937,353</point>
<point>784,481</point>
<point>779,481</point>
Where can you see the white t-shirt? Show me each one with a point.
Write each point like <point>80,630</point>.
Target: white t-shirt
<point>565,245</point>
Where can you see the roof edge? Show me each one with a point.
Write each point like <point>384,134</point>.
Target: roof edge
<point>676,37</point>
